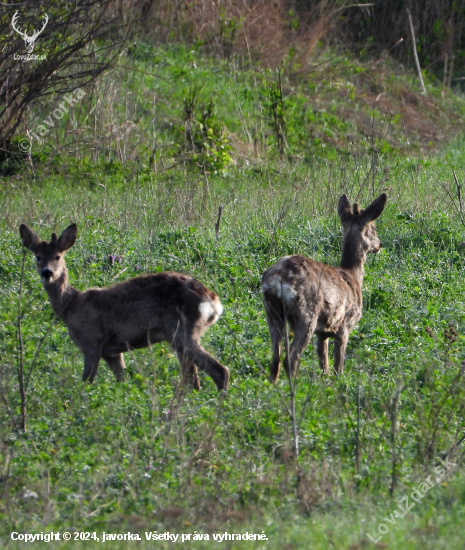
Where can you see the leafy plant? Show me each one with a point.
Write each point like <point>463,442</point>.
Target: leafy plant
<point>201,138</point>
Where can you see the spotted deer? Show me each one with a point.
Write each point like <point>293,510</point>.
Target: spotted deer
<point>313,297</point>
<point>106,322</point>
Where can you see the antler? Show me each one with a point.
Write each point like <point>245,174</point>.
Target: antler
<point>13,23</point>
<point>36,34</point>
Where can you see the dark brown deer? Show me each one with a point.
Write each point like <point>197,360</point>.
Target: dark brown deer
<point>313,297</point>
<point>105,322</point>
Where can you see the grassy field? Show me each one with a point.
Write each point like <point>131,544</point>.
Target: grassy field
<point>150,455</point>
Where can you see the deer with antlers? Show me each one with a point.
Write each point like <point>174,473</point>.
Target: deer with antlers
<point>106,322</point>
<point>313,297</point>
<point>29,40</point>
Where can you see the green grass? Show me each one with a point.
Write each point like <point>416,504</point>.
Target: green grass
<point>150,455</point>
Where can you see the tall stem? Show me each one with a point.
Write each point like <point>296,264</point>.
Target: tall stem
<point>22,391</point>
<point>295,428</point>
<point>415,54</point>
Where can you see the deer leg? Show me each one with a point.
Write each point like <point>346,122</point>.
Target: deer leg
<point>116,364</point>
<point>193,375</point>
<point>91,361</point>
<point>302,337</point>
<point>212,367</point>
<point>193,353</point>
<point>276,328</point>
<point>189,371</point>
<point>322,351</point>
<point>276,338</point>
<point>340,344</point>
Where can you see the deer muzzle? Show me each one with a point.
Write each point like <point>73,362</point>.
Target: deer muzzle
<point>47,274</point>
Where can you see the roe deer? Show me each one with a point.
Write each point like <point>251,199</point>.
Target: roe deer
<point>136,313</point>
<point>317,298</point>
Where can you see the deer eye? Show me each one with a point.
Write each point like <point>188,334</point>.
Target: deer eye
<point>38,258</point>
<point>57,257</point>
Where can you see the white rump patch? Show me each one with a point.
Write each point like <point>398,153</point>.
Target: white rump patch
<point>280,289</point>
<point>209,309</point>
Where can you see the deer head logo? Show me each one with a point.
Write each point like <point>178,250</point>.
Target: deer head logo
<point>30,41</point>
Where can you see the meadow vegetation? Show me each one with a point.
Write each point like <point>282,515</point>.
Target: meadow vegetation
<point>142,166</point>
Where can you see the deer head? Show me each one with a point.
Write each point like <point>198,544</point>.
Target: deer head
<point>29,40</point>
<point>49,256</point>
<point>358,228</point>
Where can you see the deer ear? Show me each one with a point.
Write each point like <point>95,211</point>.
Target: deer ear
<point>67,238</point>
<point>375,209</point>
<point>29,238</point>
<point>344,210</point>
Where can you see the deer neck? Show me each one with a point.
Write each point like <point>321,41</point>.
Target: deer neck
<point>61,295</point>
<point>353,258</point>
